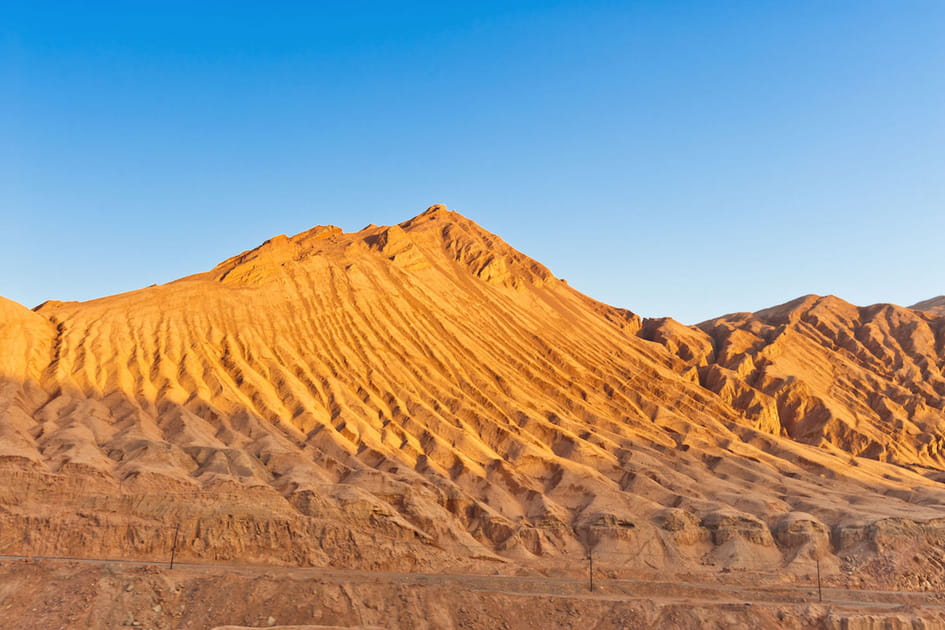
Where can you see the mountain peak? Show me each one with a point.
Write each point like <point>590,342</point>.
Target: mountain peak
<point>435,237</point>
<point>438,213</point>
<point>436,209</point>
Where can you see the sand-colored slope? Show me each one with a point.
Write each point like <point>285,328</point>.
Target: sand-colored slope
<point>26,341</point>
<point>423,394</point>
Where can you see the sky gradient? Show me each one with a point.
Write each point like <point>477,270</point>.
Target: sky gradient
<point>687,159</point>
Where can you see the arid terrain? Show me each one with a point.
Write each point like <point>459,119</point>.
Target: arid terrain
<point>417,426</point>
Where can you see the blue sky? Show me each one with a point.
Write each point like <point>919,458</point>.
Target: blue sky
<point>675,158</point>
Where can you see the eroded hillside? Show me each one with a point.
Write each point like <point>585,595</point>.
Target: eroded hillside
<point>423,395</point>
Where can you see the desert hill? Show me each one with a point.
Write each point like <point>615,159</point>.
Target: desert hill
<point>423,395</point>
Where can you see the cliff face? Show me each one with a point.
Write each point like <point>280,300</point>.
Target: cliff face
<point>424,395</point>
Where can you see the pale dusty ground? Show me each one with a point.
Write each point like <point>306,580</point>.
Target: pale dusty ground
<point>68,594</point>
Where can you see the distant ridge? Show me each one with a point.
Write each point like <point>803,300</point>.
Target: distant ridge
<point>935,305</point>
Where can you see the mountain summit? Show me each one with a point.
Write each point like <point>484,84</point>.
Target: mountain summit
<point>424,395</point>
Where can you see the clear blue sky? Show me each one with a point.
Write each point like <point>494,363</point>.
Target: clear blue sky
<point>675,158</point>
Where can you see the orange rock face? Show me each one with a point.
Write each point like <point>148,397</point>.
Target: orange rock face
<point>425,396</point>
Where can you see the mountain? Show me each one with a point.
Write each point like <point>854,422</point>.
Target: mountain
<point>424,396</point>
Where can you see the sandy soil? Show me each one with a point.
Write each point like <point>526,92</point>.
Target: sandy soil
<point>71,594</point>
